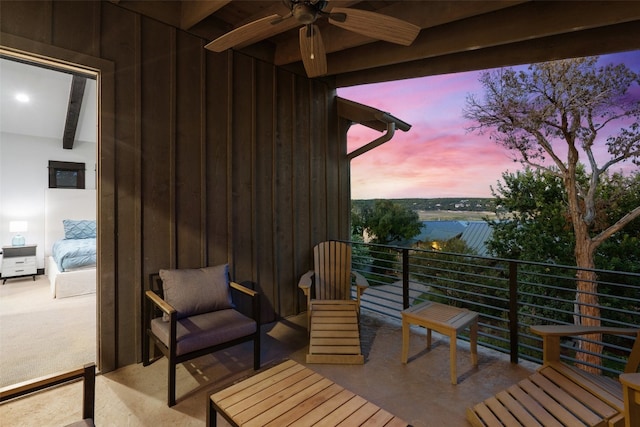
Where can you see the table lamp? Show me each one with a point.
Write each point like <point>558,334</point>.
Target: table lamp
<point>17,227</point>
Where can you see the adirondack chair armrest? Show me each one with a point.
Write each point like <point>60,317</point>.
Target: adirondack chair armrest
<point>305,283</point>
<point>361,281</point>
<point>551,335</point>
<point>361,285</point>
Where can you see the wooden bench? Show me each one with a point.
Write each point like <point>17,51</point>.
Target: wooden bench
<point>559,394</point>
<point>291,394</point>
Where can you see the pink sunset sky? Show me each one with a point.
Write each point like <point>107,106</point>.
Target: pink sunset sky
<point>437,157</point>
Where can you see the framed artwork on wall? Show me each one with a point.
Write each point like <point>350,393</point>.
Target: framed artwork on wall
<point>66,174</point>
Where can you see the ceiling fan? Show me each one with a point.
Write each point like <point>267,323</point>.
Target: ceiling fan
<point>306,12</point>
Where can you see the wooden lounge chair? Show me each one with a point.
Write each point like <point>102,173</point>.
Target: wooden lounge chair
<point>334,334</point>
<point>86,373</point>
<point>559,394</point>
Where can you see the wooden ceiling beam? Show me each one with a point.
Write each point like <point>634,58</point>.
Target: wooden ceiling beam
<point>76,94</point>
<point>194,11</point>
<point>519,23</point>
<point>598,41</point>
<point>336,39</point>
<point>164,11</point>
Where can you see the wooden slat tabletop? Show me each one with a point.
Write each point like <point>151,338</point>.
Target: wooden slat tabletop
<point>547,398</point>
<point>290,394</point>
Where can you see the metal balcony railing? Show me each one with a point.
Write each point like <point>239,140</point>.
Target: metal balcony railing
<point>509,295</point>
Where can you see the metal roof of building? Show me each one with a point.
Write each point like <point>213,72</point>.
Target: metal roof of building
<point>473,233</point>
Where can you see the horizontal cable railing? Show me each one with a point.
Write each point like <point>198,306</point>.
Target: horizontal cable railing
<point>509,296</point>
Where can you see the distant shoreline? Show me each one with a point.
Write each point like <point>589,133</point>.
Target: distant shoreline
<point>455,215</point>
<point>443,208</point>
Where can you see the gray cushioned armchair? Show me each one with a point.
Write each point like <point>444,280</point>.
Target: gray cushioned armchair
<point>193,312</point>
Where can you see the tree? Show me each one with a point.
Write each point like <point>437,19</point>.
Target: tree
<point>568,105</point>
<point>386,222</point>
<point>533,224</point>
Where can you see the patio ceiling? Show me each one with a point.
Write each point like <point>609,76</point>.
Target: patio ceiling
<point>455,35</point>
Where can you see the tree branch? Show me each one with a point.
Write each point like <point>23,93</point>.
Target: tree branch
<point>605,234</point>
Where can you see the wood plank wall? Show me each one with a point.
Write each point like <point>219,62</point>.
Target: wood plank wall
<point>214,158</point>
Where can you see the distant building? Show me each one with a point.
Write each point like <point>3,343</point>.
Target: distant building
<point>474,233</point>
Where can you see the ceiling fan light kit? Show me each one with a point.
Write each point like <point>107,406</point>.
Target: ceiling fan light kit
<point>305,13</point>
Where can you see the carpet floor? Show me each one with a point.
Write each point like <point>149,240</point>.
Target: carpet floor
<point>40,335</point>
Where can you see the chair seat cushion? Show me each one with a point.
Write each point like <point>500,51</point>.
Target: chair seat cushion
<point>205,330</point>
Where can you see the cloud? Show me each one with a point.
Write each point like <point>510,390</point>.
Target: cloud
<point>438,157</point>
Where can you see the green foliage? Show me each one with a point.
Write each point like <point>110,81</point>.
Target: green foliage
<point>461,281</point>
<point>533,221</point>
<point>386,222</point>
<point>533,225</point>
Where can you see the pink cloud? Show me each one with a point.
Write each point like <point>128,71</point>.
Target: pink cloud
<point>437,157</point>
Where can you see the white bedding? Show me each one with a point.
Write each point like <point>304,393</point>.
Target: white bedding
<point>70,283</point>
<point>61,204</point>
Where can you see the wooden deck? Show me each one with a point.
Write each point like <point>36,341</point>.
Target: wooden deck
<point>416,392</point>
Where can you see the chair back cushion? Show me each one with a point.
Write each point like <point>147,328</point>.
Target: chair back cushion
<point>332,261</point>
<point>198,290</point>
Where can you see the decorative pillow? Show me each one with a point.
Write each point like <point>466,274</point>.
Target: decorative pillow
<point>79,229</point>
<point>196,291</point>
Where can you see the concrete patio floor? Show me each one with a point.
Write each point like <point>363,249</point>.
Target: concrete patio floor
<point>420,392</point>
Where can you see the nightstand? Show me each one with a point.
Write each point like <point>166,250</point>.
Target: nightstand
<point>18,261</point>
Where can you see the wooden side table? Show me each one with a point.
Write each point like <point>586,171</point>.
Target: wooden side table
<point>446,320</point>
<point>631,390</point>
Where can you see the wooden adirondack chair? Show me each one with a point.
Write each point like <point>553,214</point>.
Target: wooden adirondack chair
<point>562,395</point>
<point>334,334</point>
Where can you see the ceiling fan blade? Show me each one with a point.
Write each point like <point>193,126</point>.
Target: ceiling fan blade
<point>374,25</point>
<point>314,56</point>
<point>255,30</point>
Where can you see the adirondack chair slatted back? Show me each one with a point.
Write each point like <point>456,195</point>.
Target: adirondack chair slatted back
<point>332,261</point>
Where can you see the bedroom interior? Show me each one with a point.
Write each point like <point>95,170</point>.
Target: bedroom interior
<point>59,306</point>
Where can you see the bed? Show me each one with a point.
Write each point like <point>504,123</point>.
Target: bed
<point>70,230</point>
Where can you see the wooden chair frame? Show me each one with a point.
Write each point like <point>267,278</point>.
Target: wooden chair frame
<point>310,282</point>
<point>155,305</point>
<point>332,314</point>
<point>560,389</point>
<point>87,374</point>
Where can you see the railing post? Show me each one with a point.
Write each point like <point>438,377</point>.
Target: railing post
<point>405,278</point>
<point>513,310</point>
